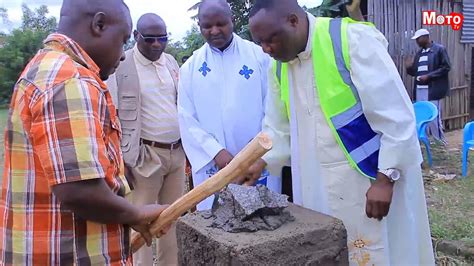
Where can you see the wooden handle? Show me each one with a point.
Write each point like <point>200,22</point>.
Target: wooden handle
<point>260,145</point>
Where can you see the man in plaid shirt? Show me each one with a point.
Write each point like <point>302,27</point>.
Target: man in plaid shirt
<point>62,200</point>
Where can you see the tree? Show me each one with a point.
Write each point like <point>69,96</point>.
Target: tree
<point>336,8</point>
<point>190,43</point>
<point>37,20</point>
<point>193,39</point>
<point>21,45</point>
<point>241,9</point>
<point>4,17</point>
<point>176,49</point>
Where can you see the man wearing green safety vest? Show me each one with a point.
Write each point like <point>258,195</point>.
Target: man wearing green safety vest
<point>338,109</point>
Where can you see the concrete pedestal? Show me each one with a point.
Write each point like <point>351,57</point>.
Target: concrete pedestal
<point>312,239</point>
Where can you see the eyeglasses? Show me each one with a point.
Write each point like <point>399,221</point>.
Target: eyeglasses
<point>152,40</point>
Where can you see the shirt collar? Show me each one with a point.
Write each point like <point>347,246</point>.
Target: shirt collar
<point>65,44</point>
<point>231,45</point>
<point>306,54</point>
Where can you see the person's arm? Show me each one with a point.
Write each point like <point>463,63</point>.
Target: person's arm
<point>67,135</point>
<point>93,200</point>
<point>276,124</point>
<point>410,66</point>
<point>444,66</point>
<point>255,171</point>
<point>200,146</point>
<point>354,11</point>
<point>388,110</point>
<point>385,101</point>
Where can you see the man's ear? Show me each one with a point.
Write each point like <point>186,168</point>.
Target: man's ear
<point>135,35</point>
<point>98,25</point>
<point>293,20</point>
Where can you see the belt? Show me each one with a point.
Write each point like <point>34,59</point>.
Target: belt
<point>167,146</point>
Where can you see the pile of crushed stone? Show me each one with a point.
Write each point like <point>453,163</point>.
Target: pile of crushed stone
<point>249,209</point>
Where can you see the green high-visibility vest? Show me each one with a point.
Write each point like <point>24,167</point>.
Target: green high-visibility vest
<point>339,99</point>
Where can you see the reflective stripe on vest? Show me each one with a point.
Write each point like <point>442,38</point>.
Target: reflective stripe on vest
<point>338,95</point>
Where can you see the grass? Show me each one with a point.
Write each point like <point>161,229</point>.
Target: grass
<point>450,202</point>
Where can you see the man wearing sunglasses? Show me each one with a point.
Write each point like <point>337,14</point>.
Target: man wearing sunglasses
<point>145,89</point>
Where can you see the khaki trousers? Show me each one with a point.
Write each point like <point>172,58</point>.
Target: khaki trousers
<point>159,178</point>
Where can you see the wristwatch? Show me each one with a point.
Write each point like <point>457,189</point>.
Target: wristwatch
<point>392,174</point>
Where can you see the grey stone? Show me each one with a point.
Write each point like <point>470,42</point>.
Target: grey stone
<point>249,209</point>
<point>312,239</point>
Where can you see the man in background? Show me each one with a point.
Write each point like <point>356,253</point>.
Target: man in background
<point>222,93</point>
<point>431,68</point>
<point>145,89</point>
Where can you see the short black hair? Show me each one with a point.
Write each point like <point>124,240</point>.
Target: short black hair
<point>262,4</point>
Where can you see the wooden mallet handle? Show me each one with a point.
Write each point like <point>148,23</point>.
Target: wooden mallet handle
<point>260,145</point>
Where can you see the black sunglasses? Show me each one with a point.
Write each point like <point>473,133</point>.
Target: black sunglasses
<point>152,40</point>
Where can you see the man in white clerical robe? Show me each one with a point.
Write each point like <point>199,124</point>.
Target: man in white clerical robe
<point>222,91</point>
<point>323,179</point>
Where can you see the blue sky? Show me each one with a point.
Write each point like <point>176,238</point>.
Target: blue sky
<point>174,12</point>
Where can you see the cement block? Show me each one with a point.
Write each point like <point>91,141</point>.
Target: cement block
<point>312,239</point>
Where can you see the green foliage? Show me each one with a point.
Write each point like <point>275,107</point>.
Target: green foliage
<point>190,43</point>
<point>241,9</point>
<point>19,46</point>
<point>4,17</point>
<point>450,203</point>
<point>330,8</point>
<point>38,20</point>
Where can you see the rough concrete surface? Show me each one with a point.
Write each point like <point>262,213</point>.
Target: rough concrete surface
<point>312,239</point>
<point>249,209</point>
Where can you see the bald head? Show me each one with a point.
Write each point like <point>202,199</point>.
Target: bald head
<point>212,6</point>
<point>101,28</point>
<point>280,26</point>
<point>77,12</point>
<point>150,20</point>
<point>215,23</point>
<point>280,7</point>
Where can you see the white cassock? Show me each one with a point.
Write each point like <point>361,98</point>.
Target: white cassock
<point>221,102</point>
<point>324,181</point>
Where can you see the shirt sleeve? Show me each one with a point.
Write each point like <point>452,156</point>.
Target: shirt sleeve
<point>265,62</point>
<point>68,134</point>
<point>200,146</point>
<point>444,65</point>
<point>384,98</point>
<point>277,126</point>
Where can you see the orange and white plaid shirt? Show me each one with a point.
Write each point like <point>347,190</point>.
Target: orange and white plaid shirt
<point>62,127</point>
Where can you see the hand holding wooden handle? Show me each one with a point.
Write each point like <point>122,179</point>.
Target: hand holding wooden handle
<point>260,145</point>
